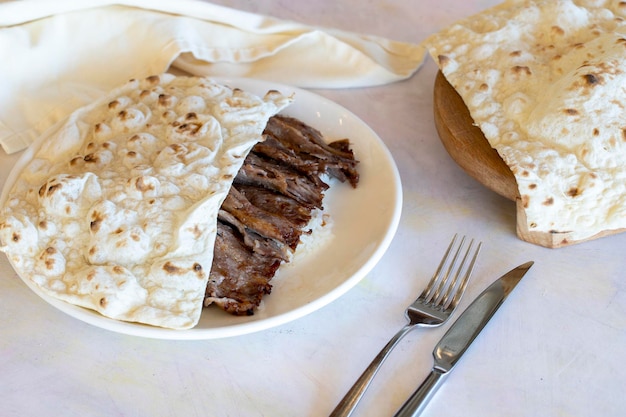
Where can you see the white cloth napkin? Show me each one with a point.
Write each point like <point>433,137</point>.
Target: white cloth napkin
<point>59,55</point>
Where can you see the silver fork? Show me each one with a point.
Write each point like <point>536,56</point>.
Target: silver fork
<point>432,308</point>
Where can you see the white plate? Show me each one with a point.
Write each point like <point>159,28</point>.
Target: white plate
<point>364,221</point>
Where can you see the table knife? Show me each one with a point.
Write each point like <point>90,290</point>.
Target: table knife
<point>460,336</point>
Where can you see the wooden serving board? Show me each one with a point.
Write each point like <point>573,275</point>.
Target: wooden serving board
<point>467,145</point>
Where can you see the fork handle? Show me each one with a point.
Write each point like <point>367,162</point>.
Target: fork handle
<point>347,405</point>
<point>418,400</point>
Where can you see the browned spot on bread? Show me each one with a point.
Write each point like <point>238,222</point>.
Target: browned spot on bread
<point>96,221</point>
<point>191,116</point>
<point>593,79</point>
<point>153,79</point>
<point>16,237</point>
<point>170,268</point>
<point>532,186</point>
<point>573,192</point>
<point>118,269</point>
<point>525,200</point>
<point>165,99</point>
<point>49,190</point>
<point>91,275</point>
<point>103,302</point>
<point>191,128</point>
<point>91,158</point>
<point>124,115</point>
<point>557,30</point>
<point>113,104</point>
<point>144,93</point>
<point>483,87</point>
<point>571,112</point>
<point>50,261</point>
<point>515,53</point>
<point>596,131</point>
<point>443,60</point>
<point>548,201</point>
<point>75,161</point>
<point>521,70</point>
<point>142,185</point>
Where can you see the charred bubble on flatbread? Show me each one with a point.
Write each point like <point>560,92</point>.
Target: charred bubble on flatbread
<point>544,80</point>
<point>117,209</point>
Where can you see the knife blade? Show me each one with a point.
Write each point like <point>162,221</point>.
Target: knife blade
<point>460,336</point>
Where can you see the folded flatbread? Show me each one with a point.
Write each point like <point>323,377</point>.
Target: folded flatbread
<point>545,82</point>
<point>125,220</point>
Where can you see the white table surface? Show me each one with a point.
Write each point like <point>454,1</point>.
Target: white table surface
<point>555,348</point>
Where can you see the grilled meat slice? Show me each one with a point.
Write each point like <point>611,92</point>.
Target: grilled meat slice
<point>267,224</point>
<point>297,213</point>
<point>282,179</point>
<point>255,242</point>
<point>239,277</point>
<point>308,143</point>
<point>268,209</point>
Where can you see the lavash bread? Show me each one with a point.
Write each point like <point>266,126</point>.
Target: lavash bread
<point>544,81</point>
<point>117,209</point>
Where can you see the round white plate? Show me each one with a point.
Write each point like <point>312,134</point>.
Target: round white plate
<point>364,221</point>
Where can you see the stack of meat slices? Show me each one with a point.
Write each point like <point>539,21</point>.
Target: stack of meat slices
<point>269,207</point>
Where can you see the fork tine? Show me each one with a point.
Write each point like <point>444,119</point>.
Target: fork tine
<point>447,299</point>
<point>437,297</point>
<point>427,293</point>
<point>468,273</point>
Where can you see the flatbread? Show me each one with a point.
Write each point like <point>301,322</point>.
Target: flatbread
<point>544,81</point>
<point>116,211</point>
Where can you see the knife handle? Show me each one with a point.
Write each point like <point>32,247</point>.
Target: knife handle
<point>418,400</point>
